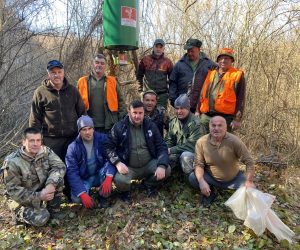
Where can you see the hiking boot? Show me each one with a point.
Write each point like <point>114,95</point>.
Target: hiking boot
<point>125,196</point>
<point>206,201</point>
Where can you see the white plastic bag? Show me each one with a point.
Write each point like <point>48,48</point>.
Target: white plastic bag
<point>254,207</point>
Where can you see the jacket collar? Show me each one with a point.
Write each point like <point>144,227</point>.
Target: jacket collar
<point>49,86</point>
<point>30,158</point>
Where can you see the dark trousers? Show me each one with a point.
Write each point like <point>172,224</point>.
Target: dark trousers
<point>233,184</point>
<point>123,182</point>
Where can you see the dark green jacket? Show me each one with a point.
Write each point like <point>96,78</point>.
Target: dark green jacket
<point>183,139</point>
<point>56,112</point>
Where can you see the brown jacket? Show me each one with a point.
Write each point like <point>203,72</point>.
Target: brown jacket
<point>56,112</point>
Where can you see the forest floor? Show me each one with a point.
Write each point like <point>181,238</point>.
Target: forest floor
<point>173,220</point>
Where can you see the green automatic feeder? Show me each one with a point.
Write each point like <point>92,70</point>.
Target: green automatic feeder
<point>121,28</point>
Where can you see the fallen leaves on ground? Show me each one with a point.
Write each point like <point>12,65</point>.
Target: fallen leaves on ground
<point>173,220</point>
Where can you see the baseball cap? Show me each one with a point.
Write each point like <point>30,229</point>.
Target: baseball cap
<point>190,43</point>
<point>159,41</point>
<point>226,52</point>
<point>54,64</point>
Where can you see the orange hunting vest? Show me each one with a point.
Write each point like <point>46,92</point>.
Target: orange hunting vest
<point>225,101</point>
<point>111,92</point>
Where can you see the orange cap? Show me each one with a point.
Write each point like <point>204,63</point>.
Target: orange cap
<point>226,52</point>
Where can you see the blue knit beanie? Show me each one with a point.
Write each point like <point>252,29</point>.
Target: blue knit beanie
<point>182,101</point>
<point>84,121</point>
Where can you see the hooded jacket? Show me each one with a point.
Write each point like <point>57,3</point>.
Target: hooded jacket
<point>55,112</point>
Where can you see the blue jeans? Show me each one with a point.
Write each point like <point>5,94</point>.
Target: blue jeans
<point>233,184</point>
<point>93,181</point>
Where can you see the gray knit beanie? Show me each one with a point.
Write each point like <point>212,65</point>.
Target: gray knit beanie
<point>84,121</point>
<point>182,101</point>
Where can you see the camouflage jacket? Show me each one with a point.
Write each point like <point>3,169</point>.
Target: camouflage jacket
<point>160,117</point>
<point>26,176</point>
<point>180,139</point>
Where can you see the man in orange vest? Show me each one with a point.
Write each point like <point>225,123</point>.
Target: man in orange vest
<point>101,96</point>
<point>223,93</point>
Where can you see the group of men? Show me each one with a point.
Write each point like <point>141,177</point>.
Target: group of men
<point>80,138</point>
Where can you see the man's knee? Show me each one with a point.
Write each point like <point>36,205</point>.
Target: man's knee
<point>193,180</point>
<point>174,160</point>
<point>122,182</point>
<point>168,172</point>
<point>186,162</point>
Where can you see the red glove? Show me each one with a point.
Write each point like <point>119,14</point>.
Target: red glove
<point>106,186</point>
<point>87,200</point>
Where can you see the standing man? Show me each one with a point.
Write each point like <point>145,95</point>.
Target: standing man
<point>87,165</point>
<point>138,151</point>
<point>154,72</point>
<point>55,108</point>
<point>101,96</point>
<point>223,93</point>
<point>216,162</point>
<point>156,113</point>
<point>34,179</point>
<point>184,131</point>
<point>189,73</point>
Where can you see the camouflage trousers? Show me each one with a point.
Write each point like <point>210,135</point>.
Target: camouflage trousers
<point>39,215</point>
<point>184,160</point>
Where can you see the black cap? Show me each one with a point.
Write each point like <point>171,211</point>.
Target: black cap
<point>54,64</point>
<point>190,43</point>
<point>159,41</point>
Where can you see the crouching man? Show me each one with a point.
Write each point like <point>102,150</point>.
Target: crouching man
<point>216,162</point>
<point>135,146</point>
<point>87,165</point>
<point>33,177</point>
<point>184,131</point>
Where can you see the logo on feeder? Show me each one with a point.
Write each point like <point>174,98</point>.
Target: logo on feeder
<point>128,16</point>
